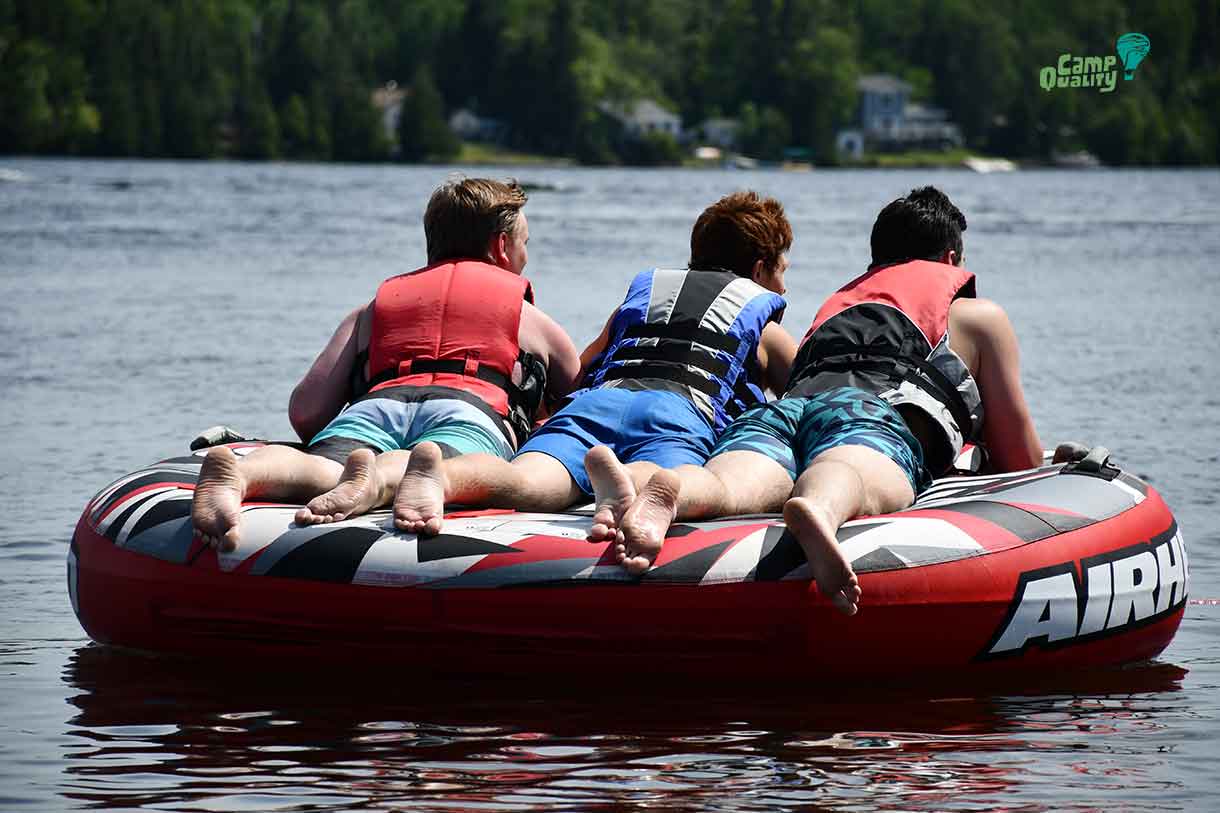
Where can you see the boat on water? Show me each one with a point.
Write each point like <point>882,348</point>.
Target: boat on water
<point>986,166</point>
<point>1065,566</point>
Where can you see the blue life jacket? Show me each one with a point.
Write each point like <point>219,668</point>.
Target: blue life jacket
<point>694,333</point>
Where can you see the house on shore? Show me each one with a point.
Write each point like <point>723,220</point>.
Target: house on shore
<point>718,132</point>
<point>469,126</point>
<point>643,117</point>
<point>889,121</point>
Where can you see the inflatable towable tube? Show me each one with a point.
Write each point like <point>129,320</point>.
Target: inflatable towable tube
<point>1058,567</point>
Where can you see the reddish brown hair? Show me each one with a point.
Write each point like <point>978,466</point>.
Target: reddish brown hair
<point>737,231</point>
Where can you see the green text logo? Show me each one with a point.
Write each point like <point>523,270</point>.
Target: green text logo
<point>1095,71</point>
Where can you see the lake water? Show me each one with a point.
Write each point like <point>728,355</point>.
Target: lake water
<point>142,302</point>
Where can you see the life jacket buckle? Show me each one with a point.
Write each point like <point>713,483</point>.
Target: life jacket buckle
<point>471,370</point>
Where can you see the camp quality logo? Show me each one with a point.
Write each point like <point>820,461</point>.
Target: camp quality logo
<point>1096,71</point>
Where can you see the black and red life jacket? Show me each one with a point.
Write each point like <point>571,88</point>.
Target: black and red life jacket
<point>887,332</point>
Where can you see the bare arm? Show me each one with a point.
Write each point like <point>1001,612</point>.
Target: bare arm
<point>597,346</point>
<point>981,329</point>
<point>541,335</point>
<point>776,352</point>
<point>326,388</point>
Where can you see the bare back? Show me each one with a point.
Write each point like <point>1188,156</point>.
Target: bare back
<point>981,335</point>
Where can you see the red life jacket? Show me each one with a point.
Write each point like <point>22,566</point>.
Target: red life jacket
<point>886,332</point>
<point>453,324</point>
<point>921,289</point>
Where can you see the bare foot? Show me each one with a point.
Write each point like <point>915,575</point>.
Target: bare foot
<point>216,506</point>
<point>613,492</point>
<point>361,488</point>
<point>419,505</point>
<point>646,522</point>
<point>831,570</point>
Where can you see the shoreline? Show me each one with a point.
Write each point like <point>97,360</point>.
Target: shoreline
<point>510,159</point>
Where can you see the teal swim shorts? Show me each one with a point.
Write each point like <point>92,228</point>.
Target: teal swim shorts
<point>793,431</point>
<point>394,420</point>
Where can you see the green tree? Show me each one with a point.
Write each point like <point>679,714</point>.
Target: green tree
<point>27,118</point>
<point>258,124</point>
<point>320,142</point>
<point>423,132</point>
<point>135,77</point>
<point>356,128</point>
<point>821,76</point>
<point>764,133</point>
<point>294,128</point>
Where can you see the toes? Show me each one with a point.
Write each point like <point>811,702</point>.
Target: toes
<point>636,565</point>
<point>600,532</point>
<point>844,604</point>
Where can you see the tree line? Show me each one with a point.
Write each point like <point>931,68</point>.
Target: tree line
<point>294,78</point>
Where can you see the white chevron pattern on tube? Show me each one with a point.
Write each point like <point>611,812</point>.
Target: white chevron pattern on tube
<point>1136,497</point>
<point>118,508</point>
<point>169,493</point>
<point>260,526</point>
<point>739,562</point>
<point>394,560</point>
<point>916,532</point>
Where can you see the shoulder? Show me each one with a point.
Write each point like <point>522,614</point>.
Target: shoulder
<point>536,322</point>
<point>977,315</point>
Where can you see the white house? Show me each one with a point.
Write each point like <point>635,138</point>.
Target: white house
<point>472,127</point>
<point>642,117</point>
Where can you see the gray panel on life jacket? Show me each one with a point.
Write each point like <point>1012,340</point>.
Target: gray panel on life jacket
<point>666,285</point>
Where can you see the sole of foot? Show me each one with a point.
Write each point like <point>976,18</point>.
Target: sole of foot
<point>419,503</point>
<point>216,506</point>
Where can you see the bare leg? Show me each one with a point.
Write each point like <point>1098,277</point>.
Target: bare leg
<point>641,472</point>
<point>362,487</point>
<point>841,483</point>
<point>613,492</point>
<point>531,482</point>
<point>275,472</point>
<point>733,483</point>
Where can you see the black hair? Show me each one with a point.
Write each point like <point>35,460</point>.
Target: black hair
<point>922,226</point>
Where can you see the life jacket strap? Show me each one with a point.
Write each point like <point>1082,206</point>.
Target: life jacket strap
<point>832,358</point>
<point>665,372</point>
<point>693,333</point>
<point>674,353</point>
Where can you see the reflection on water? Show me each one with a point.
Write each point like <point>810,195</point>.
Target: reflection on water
<point>151,732</point>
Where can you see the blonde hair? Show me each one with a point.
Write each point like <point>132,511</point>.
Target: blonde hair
<point>464,214</point>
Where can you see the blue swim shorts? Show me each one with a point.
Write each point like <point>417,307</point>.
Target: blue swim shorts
<point>793,431</point>
<point>398,418</point>
<point>659,427</point>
